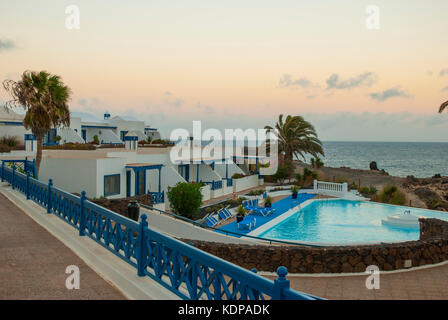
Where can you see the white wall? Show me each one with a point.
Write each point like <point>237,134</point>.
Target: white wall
<point>14,131</point>
<point>205,190</point>
<point>245,183</point>
<point>69,135</point>
<point>75,124</point>
<point>106,135</point>
<point>72,175</point>
<point>109,166</point>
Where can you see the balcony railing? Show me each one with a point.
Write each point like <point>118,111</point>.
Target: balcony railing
<point>157,197</point>
<point>215,185</point>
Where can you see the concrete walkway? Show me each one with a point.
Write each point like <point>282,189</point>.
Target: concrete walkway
<point>33,262</point>
<point>424,283</point>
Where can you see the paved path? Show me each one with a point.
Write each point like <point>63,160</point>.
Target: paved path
<point>430,283</point>
<point>33,262</point>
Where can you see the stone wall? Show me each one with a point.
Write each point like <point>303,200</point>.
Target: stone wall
<point>431,248</point>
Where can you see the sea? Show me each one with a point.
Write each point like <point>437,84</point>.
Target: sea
<point>420,159</point>
<point>401,159</point>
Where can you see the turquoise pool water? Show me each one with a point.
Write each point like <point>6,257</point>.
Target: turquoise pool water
<point>343,221</point>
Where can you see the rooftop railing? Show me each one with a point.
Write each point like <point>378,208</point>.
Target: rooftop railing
<point>183,269</point>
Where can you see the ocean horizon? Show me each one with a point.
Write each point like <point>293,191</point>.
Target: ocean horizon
<point>420,159</point>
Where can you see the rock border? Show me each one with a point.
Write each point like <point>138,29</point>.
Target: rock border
<point>431,248</point>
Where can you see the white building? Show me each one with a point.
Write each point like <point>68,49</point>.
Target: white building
<point>118,173</point>
<point>83,128</point>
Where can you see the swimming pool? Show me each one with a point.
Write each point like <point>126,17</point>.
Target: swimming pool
<point>343,222</point>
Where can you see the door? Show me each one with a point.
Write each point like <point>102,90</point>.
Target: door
<point>128,183</point>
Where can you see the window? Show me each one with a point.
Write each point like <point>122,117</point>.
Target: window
<point>141,182</point>
<point>111,185</point>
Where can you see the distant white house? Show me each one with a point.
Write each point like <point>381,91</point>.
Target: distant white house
<point>83,128</point>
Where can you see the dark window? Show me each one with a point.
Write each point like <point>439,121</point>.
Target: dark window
<point>111,185</point>
<point>141,182</point>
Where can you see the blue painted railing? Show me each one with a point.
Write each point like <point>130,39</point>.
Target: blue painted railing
<point>181,268</point>
<point>215,185</point>
<point>157,197</point>
<point>22,165</point>
<point>229,182</point>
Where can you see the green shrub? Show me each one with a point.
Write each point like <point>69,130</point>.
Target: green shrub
<point>185,199</point>
<point>299,178</point>
<point>268,200</point>
<point>96,140</point>
<point>433,203</point>
<point>392,195</point>
<point>10,141</point>
<point>158,141</point>
<point>255,192</point>
<point>294,189</point>
<point>316,163</point>
<point>72,146</point>
<point>4,148</point>
<point>368,191</point>
<point>241,211</point>
<point>237,176</point>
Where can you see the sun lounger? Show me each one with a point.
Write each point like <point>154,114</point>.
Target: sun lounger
<point>249,205</point>
<point>223,215</point>
<point>211,221</point>
<point>228,213</point>
<point>247,223</point>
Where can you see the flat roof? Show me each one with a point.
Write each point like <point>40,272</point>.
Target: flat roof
<point>139,165</point>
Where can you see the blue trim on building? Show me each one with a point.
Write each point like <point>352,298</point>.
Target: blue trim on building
<point>119,183</point>
<point>29,136</point>
<point>12,123</point>
<point>97,127</point>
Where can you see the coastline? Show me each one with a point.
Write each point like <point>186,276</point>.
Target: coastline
<point>417,190</point>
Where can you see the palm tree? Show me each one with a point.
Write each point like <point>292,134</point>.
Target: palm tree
<point>296,137</point>
<point>443,106</point>
<point>44,97</point>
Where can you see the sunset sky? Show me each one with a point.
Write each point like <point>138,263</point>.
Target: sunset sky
<point>242,63</point>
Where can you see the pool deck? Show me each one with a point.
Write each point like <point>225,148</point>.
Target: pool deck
<point>429,283</point>
<point>33,262</point>
<point>280,207</point>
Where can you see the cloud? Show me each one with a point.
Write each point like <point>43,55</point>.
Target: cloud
<point>365,79</point>
<point>380,126</point>
<point>288,82</point>
<point>389,93</point>
<point>6,45</point>
<point>443,72</point>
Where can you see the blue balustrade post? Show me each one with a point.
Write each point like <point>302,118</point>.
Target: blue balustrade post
<point>141,249</point>
<point>13,174</point>
<point>82,214</point>
<point>160,181</point>
<point>281,283</point>
<point>35,169</point>
<point>3,171</point>
<point>27,185</point>
<point>50,184</point>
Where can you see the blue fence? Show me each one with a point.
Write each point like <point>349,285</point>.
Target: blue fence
<point>157,197</point>
<point>23,166</point>
<point>181,268</point>
<point>215,185</point>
